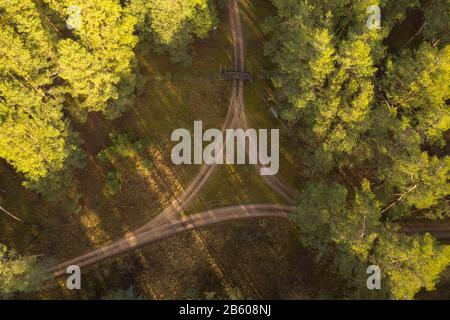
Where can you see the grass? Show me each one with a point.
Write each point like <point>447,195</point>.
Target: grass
<point>232,185</point>
<point>256,259</point>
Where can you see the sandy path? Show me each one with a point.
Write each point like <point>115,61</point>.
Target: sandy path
<point>191,222</point>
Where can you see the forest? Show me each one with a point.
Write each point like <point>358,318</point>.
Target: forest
<point>85,123</point>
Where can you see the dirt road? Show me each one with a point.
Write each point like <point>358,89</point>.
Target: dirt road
<point>166,230</point>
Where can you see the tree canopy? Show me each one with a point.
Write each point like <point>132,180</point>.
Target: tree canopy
<point>171,26</point>
<point>49,70</point>
<point>372,123</point>
<point>19,274</point>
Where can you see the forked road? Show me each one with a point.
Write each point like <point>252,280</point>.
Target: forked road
<point>170,221</point>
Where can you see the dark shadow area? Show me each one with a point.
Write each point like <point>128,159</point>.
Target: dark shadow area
<point>407,34</point>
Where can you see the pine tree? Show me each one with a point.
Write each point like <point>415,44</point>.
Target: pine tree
<point>97,63</point>
<point>349,235</point>
<point>437,28</point>
<point>19,274</point>
<point>411,263</point>
<point>417,85</point>
<point>33,132</point>
<point>173,25</point>
<point>35,136</point>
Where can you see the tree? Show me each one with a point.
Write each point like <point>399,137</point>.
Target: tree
<point>411,263</point>
<point>320,205</point>
<point>342,231</point>
<point>328,78</point>
<point>417,85</point>
<point>422,181</point>
<point>437,22</point>
<point>19,274</point>
<point>97,63</point>
<point>173,25</point>
<point>389,128</point>
<point>349,233</point>
<point>33,135</point>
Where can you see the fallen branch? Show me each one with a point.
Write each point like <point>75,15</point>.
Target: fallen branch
<point>11,215</point>
<point>400,198</point>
